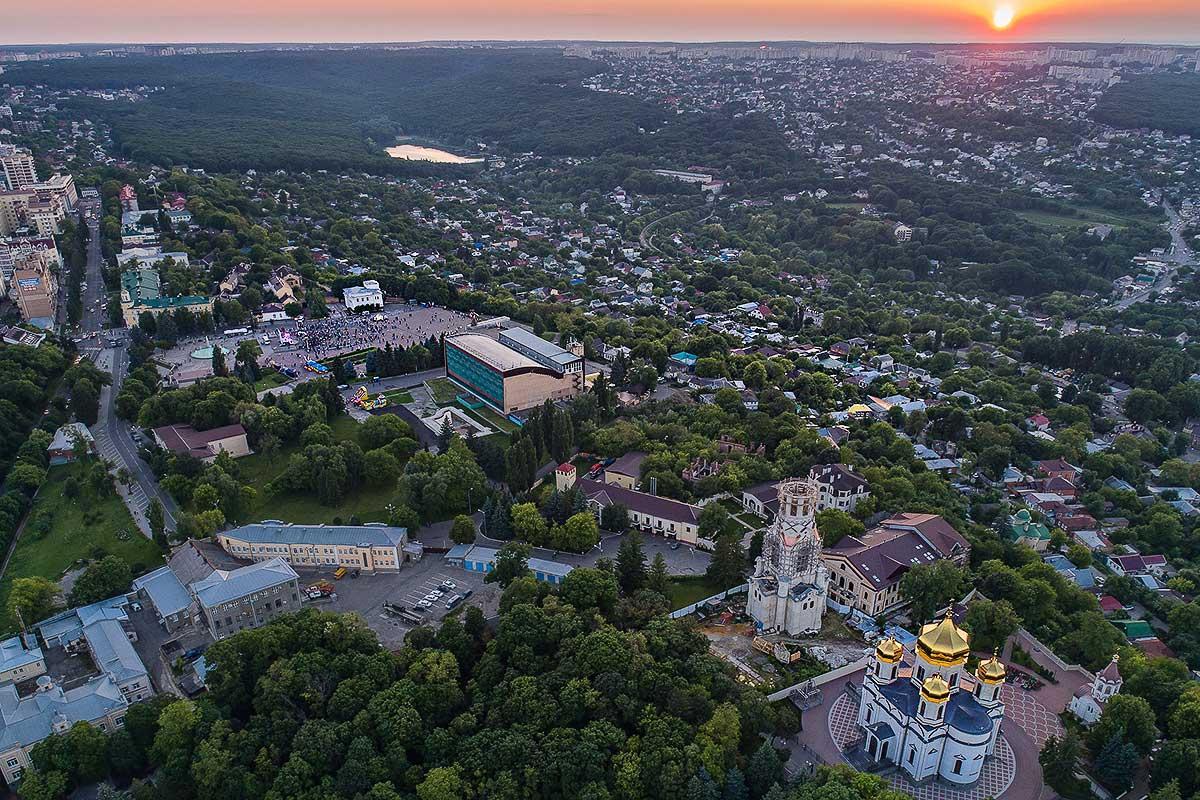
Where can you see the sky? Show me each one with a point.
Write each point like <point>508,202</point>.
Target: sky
<point>121,21</point>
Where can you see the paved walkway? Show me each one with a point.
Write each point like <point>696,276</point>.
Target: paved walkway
<point>995,778</point>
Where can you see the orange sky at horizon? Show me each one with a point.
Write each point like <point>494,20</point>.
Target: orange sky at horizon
<point>58,21</point>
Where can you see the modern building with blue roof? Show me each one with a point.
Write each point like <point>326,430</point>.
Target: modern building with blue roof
<point>372,548</point>
<point>474,558</point>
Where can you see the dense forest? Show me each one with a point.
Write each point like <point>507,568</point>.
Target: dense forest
<point>1169,102</point>
<point>296,110</point>
<point>565,698</point>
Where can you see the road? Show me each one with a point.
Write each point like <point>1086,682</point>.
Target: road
<point>1178,254</point>
<point>112,435</point>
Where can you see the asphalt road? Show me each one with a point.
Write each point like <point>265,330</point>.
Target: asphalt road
<point>1179,254</point>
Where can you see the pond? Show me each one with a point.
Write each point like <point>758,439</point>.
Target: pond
<point>412,152</point>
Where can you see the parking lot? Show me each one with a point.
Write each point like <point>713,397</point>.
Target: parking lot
<point>366,594</point>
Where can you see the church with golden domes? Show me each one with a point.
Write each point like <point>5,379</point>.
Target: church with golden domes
<point>939,721</point>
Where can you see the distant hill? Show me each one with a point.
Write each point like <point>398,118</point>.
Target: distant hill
<point>1169,102</point>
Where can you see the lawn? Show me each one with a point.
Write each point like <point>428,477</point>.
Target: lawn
<point>490,418</point>
<point>270,380</point>
<point>442,391</point>
<point>369,503</point>
<point>1088,217</point>
<point>70,538</point>
<point>691,589</point>
<point>399,396</point>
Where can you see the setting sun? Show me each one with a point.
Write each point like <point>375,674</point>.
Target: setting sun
<point>1002,17</point>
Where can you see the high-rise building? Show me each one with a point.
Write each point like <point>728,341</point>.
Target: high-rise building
<point>16,167</point>
<point>35,288</point>
<point>791,582</point>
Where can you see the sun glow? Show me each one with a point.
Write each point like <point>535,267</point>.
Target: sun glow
<point>1002,17</point>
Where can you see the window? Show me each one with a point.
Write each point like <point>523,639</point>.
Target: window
<point>912,754</point>
<point>958,762</point>
<point>12,762</point>
<point>870,713</point>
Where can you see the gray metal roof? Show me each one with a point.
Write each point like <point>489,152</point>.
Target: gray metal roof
<point>13,654</point>
<point>28,720</point>
<point>112,651</point>
<point>538,345</point>
<point>165,591</point>
<point>270,532</point>
<point>226,586</point>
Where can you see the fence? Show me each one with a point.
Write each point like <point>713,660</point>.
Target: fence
<point>683,612</point>
<point>1041,653</point>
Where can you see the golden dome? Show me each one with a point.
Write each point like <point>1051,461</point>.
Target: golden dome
<point>944,643</point>
<point>935,689</point>
<point>889,650</point>
<point>991,671</point>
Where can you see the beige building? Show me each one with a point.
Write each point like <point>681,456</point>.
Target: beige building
<point>204,445</point>
<point>515,372</point>
<point>647,512</point>
<point>41,206</point>
<point>34,286</point>
<point>626,471</point>
<point>865,570</point>
<point>20,661</point>
<point>17,167</point>
<point>371,548</point>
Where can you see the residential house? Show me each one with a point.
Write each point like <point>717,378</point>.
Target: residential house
<point>647,512</point>
<point>839,487</point>
<point>69,441</point>
<point>626,470</point>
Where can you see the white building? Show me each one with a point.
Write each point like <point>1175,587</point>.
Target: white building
<point>935,722</point>
<point>839,487</point>
<point>790,583</point>
<point>369,295</point>
<point>1089,701</point>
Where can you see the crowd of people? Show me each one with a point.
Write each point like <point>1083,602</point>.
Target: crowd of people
<point>342,333</point>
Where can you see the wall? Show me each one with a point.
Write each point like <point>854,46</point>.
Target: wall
<point>824,678</point>
<point>683,612</point>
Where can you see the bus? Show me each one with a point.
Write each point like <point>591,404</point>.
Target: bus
<point>313,366</point>
<point>237,331</point>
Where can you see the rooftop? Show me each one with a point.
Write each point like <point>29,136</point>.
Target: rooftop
<point>272,532</point>
<point>224,586</point>
<point>549,350</point>
<point>492,352</point>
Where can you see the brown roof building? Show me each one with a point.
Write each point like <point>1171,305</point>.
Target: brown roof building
<point>204,445</point>
<point>865,571</point>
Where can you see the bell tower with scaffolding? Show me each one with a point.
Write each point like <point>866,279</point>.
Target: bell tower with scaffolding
<point>787,593</point>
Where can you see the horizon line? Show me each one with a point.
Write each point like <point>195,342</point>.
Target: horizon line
<point>601,42</point>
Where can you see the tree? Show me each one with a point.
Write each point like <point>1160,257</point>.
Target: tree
<point>631,564</point>
<point>158,522</point>
<point>85,401</point>
<point>579,533</point>
<point>658,579</point>
<point>590,588</point>
<point>463,530</point>
<point>764,770</point>
<point>929,587</point>
<point>32,598</point>
<point>1176,762</point>
<point>615,518</point>
<point>715,522</point>
<point>445,435</point>
<point>835,524</point>
<point>990,623</point>
<point>1058,759</point>
<point>528,524</point>
<point>728,563</point>
<point>380,467</point>
<point>37,785</point>
<point>1116,763</point>
<point>107,577</point>
<point>1130,719</point>
<point>219,367</point>
<point>441,783</point>
<point>512,562</point>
